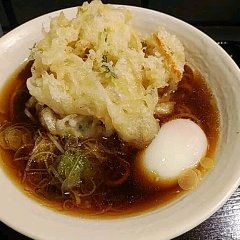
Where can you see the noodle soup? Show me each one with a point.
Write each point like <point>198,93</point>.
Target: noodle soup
<point>112,185</point>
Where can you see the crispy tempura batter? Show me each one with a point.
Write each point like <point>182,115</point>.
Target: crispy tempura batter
<point>98,65</point>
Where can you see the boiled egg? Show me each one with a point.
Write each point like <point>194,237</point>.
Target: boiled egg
<point>179,145</point>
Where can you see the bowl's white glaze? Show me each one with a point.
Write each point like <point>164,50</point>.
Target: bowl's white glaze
<point>28,217</point>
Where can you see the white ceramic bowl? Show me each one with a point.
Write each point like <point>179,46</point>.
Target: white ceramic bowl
<point>28,217</point>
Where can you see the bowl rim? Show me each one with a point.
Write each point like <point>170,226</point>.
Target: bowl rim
<point>211,208</point>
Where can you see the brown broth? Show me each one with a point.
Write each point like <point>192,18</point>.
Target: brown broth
<point>135,195</point>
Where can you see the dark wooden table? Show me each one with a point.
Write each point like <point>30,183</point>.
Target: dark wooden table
<point>223,225</point>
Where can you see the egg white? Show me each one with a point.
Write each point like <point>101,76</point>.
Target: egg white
<point>180,144</point>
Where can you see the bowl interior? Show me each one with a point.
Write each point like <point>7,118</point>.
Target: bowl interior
<point>223,76</point>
